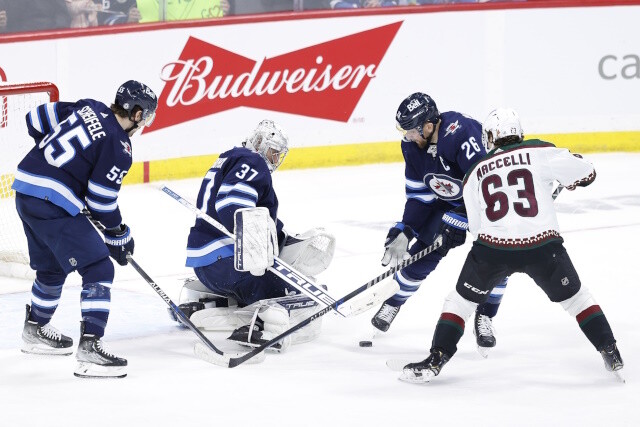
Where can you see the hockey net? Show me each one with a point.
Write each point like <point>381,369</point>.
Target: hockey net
<point>16,100</point>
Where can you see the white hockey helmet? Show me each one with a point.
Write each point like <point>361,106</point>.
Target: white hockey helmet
<point>501,123</point>
<point>270,141</point>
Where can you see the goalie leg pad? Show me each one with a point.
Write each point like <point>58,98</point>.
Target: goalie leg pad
<point>300,307</point>
<point>256,240</point>
<point>267,319</point>
<point>310,252</point>
<point>218,319</point>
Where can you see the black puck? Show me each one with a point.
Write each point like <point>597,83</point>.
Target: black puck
<point>366,344</point>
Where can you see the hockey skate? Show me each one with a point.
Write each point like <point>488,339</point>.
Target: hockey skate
<point>44,339</point>
<point>612,360</point>
<point>95,362</point>
<point>423,372</point>
<point>254,335</point>
<point>484,333</point>
<point>384,317</point>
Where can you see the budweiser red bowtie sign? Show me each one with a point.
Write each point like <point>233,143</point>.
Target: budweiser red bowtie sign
<point>325,80</point>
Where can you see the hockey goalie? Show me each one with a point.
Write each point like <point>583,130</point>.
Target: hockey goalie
<point>233,289</point>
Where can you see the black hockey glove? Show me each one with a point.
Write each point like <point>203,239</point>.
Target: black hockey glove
<point>453,229</point>
<point>119,242</point>
<point>396,246</point>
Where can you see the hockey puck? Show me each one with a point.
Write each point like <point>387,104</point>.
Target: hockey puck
<point>366,344</point>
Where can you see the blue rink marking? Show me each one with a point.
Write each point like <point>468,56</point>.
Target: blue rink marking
<point>132,315</point>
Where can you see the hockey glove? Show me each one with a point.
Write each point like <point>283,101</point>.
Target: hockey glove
<point>453,229</point>
<point>396,246</point>
<point>119,242</point>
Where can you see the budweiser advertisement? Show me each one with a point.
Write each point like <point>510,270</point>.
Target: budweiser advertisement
<point>325,80</point>
<point>335,81</point>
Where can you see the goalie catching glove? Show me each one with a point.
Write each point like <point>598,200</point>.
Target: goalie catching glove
<point>256,240</point>
<point>397,244</point>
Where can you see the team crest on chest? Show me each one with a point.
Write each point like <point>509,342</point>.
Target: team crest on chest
<point>444,186</point>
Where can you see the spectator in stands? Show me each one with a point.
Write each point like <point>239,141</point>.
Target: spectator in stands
<point>84,13</point>
<point>114,12</point>
<point>3,16</point>
<point>181,10</point>
<point>354,4</point>
<point>35,15</point>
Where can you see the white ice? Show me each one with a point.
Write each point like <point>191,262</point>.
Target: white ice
<point>542,372</point>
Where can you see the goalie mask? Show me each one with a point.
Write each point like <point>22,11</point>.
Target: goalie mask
<point>270,142</point>
<point>500,124</point>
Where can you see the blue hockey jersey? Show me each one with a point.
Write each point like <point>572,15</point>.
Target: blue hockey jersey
<point>238,179</point>
<point>433,175</point>
<point>80,158</point>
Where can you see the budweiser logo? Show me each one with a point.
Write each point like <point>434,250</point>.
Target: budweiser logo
<point>324,81</point>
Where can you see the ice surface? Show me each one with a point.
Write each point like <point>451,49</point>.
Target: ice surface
<point>542,372</point>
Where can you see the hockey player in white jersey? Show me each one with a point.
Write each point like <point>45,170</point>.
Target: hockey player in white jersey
<point>508,195</point>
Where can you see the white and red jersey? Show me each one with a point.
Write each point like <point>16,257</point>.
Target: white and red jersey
<point>508,194</point>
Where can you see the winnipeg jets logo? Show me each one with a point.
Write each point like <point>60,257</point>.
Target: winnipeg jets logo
<point>126,147</point>
<point>452,128</point>
<point>104,116</point>
<point>444,186</point>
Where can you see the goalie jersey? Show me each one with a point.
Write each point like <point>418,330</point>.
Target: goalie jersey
<point>433,175</point>
<point>508,194</point>
<point>80,157</point>
<point>238,179</point>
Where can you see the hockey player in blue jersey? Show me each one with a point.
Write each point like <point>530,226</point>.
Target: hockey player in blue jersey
<point>82,152</point>
<point>238,193</point>
<point>438,149</point>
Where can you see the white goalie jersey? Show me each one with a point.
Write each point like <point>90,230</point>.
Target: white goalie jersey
<point>508,194</point>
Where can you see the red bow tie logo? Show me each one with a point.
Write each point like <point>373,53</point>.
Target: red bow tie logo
<point>324,81</point>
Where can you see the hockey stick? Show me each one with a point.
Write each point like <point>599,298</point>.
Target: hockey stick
<point>279,267</point>
<point>557,191</point>
<point>235,361</point>
<point>219,357</point>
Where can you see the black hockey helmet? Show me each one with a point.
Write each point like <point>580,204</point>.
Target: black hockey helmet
<point>133,94</point>
<point>415,110</point>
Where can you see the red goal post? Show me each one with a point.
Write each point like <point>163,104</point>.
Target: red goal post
<point>16,100</point>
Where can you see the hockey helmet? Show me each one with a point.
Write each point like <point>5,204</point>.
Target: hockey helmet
<point>133,94</point>
<point>416,110</point>
<point>501,123</point>
<point>270,141</point>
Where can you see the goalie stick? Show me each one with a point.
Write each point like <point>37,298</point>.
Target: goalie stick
<point>279,267</point>
<point>215,355</point>
<point>235,361</point>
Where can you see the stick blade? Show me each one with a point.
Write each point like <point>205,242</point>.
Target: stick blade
<point>202,352</point>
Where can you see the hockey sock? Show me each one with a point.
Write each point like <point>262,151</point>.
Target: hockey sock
<point>594,325</point>
<point>95,300</point>
<point>490,307</point>
<point>448,332</point>
<point>44,301</point>
<point>408,287</point>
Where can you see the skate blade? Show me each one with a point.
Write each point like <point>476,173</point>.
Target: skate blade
<point>203,352</point>
<point>484,351</point>
<point>42,350</point>
<point>92,370</point>
<point>397,365</point>
<point>409,376</point>
<point>619,376</point>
